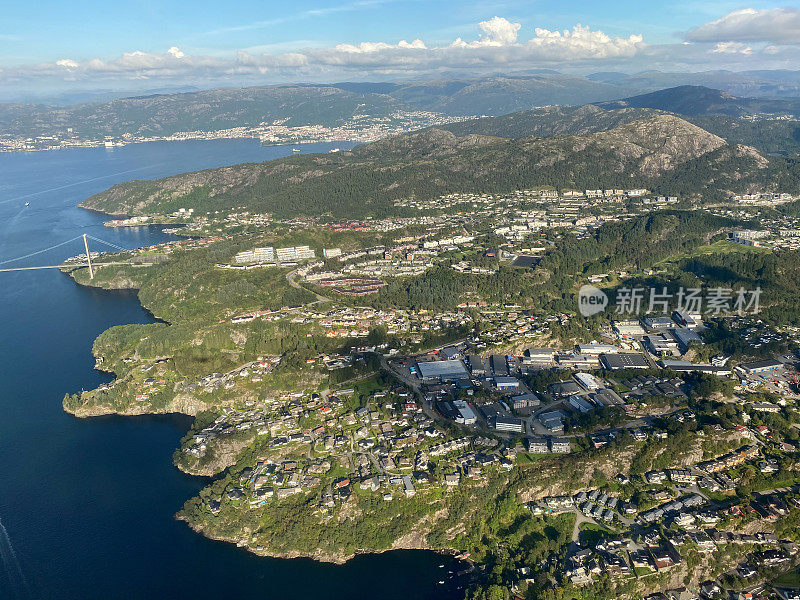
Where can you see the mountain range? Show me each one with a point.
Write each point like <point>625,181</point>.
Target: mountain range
<point>334,104</point>
<point>774,130</point>
<point>696,100</point>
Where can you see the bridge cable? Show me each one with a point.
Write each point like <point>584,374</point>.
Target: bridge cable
<point>91,237</point>
<point>3,262</point>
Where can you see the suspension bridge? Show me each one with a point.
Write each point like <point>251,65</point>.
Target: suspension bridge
<point>84,259</point>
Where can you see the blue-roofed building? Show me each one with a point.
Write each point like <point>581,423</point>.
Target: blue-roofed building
<point>580,404</point>
<point>442,370</point>
<point>684,337</point>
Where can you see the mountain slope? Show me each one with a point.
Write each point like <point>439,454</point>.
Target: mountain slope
<point>209,110</point>
<point>663,153</point>
<point>659,143</point>
<point>695,100</point>
<point>771,136</point>
<point>548,121</point>
<point>503,95</point>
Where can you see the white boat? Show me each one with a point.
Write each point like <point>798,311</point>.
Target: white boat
<point>27,204</point>
<point>295,149</point>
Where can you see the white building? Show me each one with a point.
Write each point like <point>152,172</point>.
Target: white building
<point>588,381</point>
<point>294,254</point>
<point>265,255</point>
<point>628,329</point>
<point>596,349</point>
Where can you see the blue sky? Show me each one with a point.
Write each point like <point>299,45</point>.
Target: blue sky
<point>106,44</point>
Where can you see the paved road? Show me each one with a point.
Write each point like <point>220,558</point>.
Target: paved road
<point>414,383</point>
<point>580,519</point>
<point>647,356</point>
<point>290,278</point>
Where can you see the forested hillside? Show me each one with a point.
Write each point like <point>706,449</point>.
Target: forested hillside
<point>210,110</point>
<point>768,135</point>
<point>695,100</point>
<point>665,154</point>
<point>550,120</point>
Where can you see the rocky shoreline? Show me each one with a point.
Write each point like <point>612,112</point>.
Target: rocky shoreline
<point>319,556</point>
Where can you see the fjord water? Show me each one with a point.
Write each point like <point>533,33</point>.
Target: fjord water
<point>87,505</point>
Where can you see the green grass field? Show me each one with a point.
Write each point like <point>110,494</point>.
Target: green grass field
<point>790,579</point>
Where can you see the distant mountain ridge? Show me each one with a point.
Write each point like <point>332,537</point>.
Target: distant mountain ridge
<point>550,120</point>
<point>503,95</point>
<point>298,104</point>
<point>166,114</point>
<point>333,104</point>
<point>707,108</point>
<point>693,100</point>
<point>751,84</point>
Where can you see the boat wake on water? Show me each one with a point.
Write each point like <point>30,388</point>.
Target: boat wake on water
<point>69,185</point>
<point>16,577</point>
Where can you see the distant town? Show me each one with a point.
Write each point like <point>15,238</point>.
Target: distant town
<point>364,128</point>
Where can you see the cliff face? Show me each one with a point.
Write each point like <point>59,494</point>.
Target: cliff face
<point>181,403</point>
<point>658,144</point>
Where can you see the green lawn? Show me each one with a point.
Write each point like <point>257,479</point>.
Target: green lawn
<point>592,533</point>
<point>719,247</point>
<point>524,458</point>
<point>790,579</point>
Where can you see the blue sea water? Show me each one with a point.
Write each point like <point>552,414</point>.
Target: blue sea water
<point>87,505</point>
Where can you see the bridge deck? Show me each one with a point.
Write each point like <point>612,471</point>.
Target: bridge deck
<point>68,266</point>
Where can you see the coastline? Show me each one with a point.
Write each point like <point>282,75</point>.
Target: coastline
<point>190,138</point>
<point>184,404</point>
<point>322,557</point>
<point>113,475</point>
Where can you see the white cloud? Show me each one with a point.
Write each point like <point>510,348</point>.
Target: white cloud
<point>499,45</point>
<point>774,25</point>
<point>417,44</point>
<point>497,31</point>
<point>732,48</point>
<point>582,42</point>
<point>369,47</point>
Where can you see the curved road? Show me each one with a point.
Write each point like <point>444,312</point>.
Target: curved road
<point>292,282</point>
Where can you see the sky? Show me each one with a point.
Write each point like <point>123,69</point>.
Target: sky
<point>147,44</point>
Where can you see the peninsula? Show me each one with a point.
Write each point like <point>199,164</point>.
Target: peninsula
<point>384,349</point>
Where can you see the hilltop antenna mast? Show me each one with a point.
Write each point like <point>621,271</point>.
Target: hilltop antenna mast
<point>88,256</point>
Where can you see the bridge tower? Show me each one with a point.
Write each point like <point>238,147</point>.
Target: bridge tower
<point>88,256</point>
